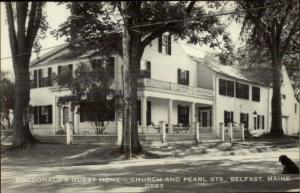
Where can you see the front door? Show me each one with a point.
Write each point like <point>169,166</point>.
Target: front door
<point>204,118</point>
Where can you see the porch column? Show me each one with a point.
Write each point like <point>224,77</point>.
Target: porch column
<point>144,113</point>
<point>193,114</point>
<point>170,126</point>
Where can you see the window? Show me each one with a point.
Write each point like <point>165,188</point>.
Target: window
<point>295,108</point>
<point>183,77</point>
<point>242,91</point>
<point>65,74</point>
<point>183,114</point>
<point>228,117</point>
<point>94,113</point>
<point>164,44</point>
<point>108,64</point>
<point>244,118</point>
<point>33,79</point>
<point>283,96</point>
<point>42,114</point>
<point>145,71</point>
<point>226,87</point>
<point>259,122</point>
<point>255,93</point>
<point>41,78</point>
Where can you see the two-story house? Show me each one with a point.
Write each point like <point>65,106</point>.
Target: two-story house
<point>178,86</point>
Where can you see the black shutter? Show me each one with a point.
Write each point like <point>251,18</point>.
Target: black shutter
<point>40,78</point>
<point>70,73</point>
<point>169,44</point>
<point>179,114</point>
<point>258,122</point>
<point>59,82</point>
<point>231,117</point>
<point>49,76</point>
<point>225,118</point>
<point>35,115</point>
<point>263,122</point>
<point>178,75</point>
<point>138,111</point>
<point>188,77</point>
<point>50,114</point>
<point>187,118</point>
<point>35,77</point>
<point>148,112</point>
<point>41,120</point>
<point>241,118</point>
<point>148,69</point>
<point>254,123</point>
<point>160,44</point>
<point>247,121</point>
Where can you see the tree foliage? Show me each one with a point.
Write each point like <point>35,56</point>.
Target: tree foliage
<point>272,33</point>
<point>92,93</point>
<point>7,100</point>
<point>96,21</point>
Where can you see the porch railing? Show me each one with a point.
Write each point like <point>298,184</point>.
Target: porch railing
<point>169,86</point>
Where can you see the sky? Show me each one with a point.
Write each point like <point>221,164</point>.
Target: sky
<point>56,15</point>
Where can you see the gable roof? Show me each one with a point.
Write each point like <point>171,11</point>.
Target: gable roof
<point>60,54</point>
<point>261,76</point>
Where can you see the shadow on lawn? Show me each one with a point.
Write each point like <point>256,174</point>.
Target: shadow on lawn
<point>225,168</point>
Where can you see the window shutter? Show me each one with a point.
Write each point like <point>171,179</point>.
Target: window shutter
<point>263,122</point>
<point>59,81</point>
<point>254,119</point>
<point>231,117</point>
<point>40,84</point>
<point>247,121</point>
<point>148,112</point>
<point>148,68</point>
<point>49,76</point>
<point>258,122</point>
<point>50,114</point>
<point>58,70</point>
<point>71,67</point>
<point>40,113</point>
<point>35,77</point>
<point>169,45</point>
<point>225,118</point>
<point>35,115</point>
<point>160,44</point>
<point>188,77</point>
<point>178,113</point>
<point>178,75</point>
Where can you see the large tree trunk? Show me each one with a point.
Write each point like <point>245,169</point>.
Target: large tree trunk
<point>276,123</point>
<point>132,54</point>
<point>21,131</point>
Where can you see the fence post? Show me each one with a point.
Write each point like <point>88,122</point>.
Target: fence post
<point>196,127</point>
<point>68,133</point>
<point>163,131</point>
<point>243,131</point>
<point>222,132</point>
<point>119,131</point>
<point>230,131</point>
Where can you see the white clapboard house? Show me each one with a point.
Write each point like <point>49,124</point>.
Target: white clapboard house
<point>179,87</point>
